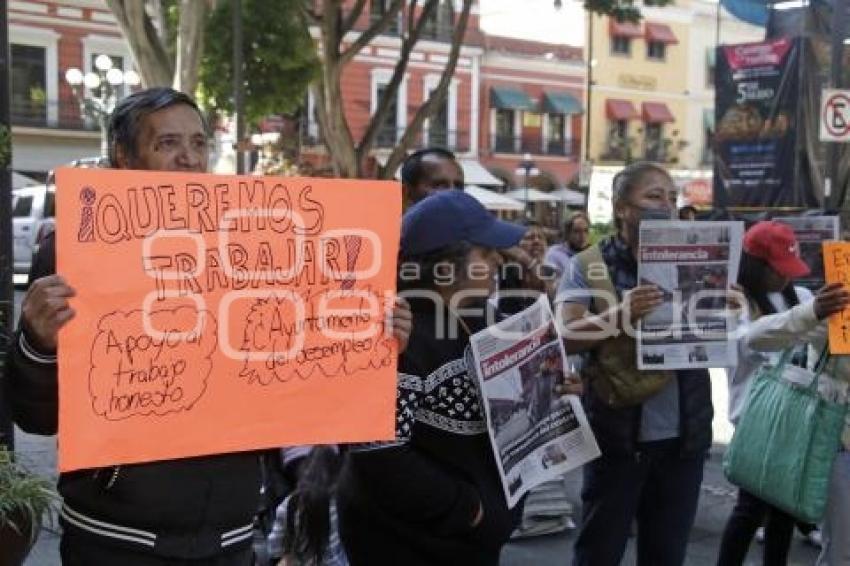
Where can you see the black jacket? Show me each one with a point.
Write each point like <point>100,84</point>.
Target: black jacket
<point>412,501</point>
<point>189,508</point>
<point>617,430</point>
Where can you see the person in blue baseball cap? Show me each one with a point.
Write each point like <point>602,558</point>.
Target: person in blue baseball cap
<point>433,495</point>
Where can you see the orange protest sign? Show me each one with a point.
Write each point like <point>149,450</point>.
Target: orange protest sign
<point>836,262</point>
<point>221,313</point>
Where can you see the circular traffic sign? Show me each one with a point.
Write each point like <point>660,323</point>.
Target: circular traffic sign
<point>834,119</point>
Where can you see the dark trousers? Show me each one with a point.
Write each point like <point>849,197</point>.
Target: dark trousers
<point>77,550</point>
<point>658,487</point>
<point>748,515</point>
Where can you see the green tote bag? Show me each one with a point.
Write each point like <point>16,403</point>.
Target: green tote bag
<point>785,442</point>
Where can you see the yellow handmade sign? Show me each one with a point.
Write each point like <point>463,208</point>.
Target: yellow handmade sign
<point>836,262</point>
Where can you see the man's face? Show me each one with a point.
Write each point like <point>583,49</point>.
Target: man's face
<point>579,234</point>
<point>439,173</point>
<point>534,242</point>
<point>171,139</point>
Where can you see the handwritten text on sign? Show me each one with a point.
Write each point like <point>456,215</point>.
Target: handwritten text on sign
<point>836,262</point>
<point>219,314</point>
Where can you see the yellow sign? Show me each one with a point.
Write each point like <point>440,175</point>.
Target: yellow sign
<point>639,82</point>
<point>531,120</point>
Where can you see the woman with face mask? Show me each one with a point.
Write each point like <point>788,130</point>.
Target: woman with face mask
<point>653,447</point>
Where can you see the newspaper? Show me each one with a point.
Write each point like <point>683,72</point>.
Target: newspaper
<point>810,232</point>
<point>536,434</point>
<point>694,264</point>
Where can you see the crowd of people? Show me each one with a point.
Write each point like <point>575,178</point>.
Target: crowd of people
<point>433,495</point>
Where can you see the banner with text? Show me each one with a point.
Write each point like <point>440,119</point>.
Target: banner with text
<point>756,123</point>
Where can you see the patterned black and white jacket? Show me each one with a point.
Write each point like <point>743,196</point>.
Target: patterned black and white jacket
<point>413,501</point>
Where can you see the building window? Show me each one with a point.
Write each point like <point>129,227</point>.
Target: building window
<point>656,50</point>
<point>652,143</point>
<point>621,45</point>
<point>505,141</point>
<point>438,124</point>
<point>556,142</point>
<point>29,85</point>
<point>441,23</point>
<point>377,9</point>
<point>388,130</point>
<point>618,129</point>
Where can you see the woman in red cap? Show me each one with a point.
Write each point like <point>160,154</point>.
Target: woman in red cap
<point>769,264</point>
<point>805,325</point>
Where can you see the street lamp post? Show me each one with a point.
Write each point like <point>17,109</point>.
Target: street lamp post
<point>108,79</point>
<point>529,168</point>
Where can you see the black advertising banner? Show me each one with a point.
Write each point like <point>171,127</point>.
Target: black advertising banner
<point>755,140</point>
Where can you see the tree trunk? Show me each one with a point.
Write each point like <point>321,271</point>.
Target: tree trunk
<point>328,95</point>
<point>347,155</point>
<point>438,95</point>
<point>155,67</point>
<point>190,44</point>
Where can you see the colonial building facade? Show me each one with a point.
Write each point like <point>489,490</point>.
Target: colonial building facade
<point>46,39</point>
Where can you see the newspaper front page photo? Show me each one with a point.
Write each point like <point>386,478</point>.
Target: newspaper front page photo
<point>536,434</point>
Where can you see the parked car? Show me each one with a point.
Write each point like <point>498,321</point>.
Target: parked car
<point>31,206</point>
<point>33,216</point>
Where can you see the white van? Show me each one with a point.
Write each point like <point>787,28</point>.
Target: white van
<point>33,209</point>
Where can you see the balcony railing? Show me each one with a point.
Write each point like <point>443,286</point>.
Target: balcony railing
<point>617,149</point>
<point>387,138</point>
<point>534,146</point>
<point>60,114</point>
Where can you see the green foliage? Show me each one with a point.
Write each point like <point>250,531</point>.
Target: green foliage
<point>621,10</point>
<point>599,230</point>
<point>280,58</point>
<point>23,496</point>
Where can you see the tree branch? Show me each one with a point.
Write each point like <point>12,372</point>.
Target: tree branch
<point>437,97</point>
<point>351,19</point>
<point>190,44</point>
<point>150,54</point>
<point>415,27</point>
<point>373,31</point>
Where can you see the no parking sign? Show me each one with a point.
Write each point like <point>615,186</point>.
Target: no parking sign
<point>835,116</point>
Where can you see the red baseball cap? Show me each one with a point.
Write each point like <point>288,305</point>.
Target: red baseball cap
<point>776,244</point>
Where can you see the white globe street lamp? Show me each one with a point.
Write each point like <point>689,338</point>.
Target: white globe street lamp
<point>103,62</point>
<point>74,77</point>
<point>98,91</point>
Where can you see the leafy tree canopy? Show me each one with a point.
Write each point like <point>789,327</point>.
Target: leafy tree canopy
<point>279,58</point>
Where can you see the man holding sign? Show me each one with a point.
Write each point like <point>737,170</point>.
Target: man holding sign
<point>192,510</point>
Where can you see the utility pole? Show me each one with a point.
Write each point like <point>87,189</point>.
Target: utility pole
<point>833,193</point>
<point>587,111</point>
<point>7,291</point>
<point>238,87</point>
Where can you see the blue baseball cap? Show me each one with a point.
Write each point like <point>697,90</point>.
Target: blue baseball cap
<point>449,217</point>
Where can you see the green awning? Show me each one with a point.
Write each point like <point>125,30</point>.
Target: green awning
<point>708,120</point>
<point>510,99</point>
<point>561,103</point>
